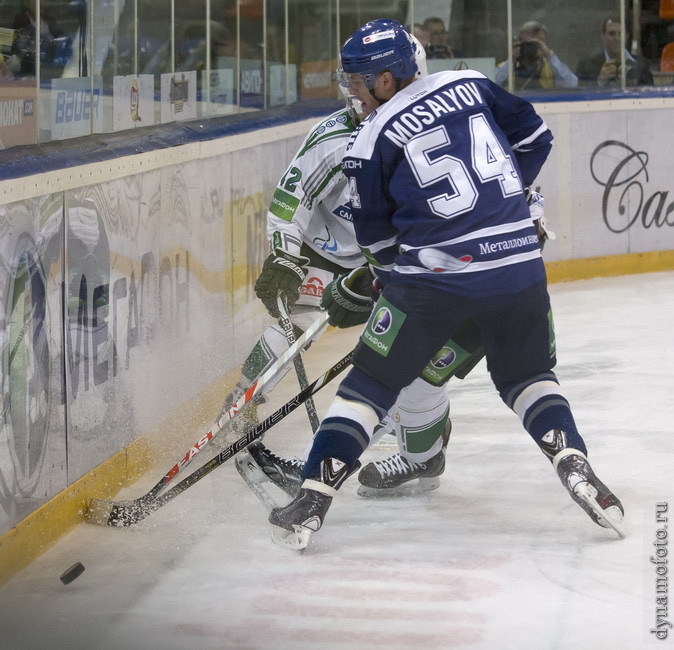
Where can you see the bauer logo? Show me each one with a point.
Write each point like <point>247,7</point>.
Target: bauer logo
<point>444,358</point>
<point>383,326</point>
<point>76,105</point>
<point>382,55</point>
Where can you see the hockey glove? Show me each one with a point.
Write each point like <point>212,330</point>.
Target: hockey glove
<point>282,273</point>
<point>347,298</point>
<point>535,201</point>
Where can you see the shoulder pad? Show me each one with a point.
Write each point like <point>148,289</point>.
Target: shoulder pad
<point>338,125</point>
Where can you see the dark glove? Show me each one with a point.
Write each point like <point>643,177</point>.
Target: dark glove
<point>347,298</point>
<point>282,273</point>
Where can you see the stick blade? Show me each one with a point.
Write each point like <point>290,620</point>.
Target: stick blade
<point>98,512</point>
<point>115,513</point>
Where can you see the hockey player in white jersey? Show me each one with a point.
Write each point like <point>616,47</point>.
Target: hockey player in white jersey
<point>316,261</point>
<point>437,177</point>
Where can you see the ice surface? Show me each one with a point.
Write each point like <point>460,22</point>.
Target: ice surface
<point>499,557</point>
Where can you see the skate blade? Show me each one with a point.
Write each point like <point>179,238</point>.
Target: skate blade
<point>297,540</point>
<point>609,518</point>
<point>245,463</point>
<point>410,489</point>
<point>255,479</point>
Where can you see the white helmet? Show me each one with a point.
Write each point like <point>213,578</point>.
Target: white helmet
<point>419,57</point>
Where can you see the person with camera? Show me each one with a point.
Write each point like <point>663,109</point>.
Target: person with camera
<point>536,65</point>
<point>438,44</point>
<point>603,68</point>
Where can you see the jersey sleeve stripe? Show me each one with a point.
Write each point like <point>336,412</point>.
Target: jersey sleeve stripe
<point>534,136</point>
<point>475,267</point>
<point>318,184</point>
<point>477,234</point>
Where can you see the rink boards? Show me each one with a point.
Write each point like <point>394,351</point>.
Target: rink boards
<point>126,290</point>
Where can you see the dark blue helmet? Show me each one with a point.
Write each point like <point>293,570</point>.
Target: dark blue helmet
<point>379,45</point>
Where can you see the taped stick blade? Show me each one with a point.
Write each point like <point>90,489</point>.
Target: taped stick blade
<point>116,513</point>
<point>98,512</point>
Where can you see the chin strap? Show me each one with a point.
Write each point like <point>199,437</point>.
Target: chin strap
<point>381,101</point>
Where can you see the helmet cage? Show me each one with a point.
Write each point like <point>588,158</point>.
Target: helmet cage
<point>353,104</point>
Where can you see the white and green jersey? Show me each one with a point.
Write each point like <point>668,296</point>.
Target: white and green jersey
<point>311,204</point>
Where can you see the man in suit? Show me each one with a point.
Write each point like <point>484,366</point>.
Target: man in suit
<point>603,68</point>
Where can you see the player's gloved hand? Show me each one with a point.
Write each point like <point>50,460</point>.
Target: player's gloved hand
<point>535,201</point>
<point>347,298</point>
<point>282,273</point>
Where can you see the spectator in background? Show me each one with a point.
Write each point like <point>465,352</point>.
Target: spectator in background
<point>422,35</point>
<point>602,69</point>
<point>5,74</point>
<point>535,63</point>
<point>190,51</point>
<point>55,46</point>
<point>439,47</point>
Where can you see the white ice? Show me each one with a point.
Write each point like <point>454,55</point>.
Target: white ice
<point>499,557</point>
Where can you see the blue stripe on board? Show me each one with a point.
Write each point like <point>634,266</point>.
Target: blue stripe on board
<point>25,160</point>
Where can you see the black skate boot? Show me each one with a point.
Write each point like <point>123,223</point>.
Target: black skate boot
<point>282,472</point>
<point>603,507</point>
<point>397,476</point>
<point>295,523</point>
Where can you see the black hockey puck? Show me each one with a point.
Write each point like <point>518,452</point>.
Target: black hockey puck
<point>75,571</point>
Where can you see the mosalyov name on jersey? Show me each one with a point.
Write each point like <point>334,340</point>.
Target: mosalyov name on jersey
<point>426,112</point>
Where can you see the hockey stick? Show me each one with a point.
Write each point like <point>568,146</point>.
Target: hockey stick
<point>98,505</point>
<point>288,329</point>
<point>127,513</point>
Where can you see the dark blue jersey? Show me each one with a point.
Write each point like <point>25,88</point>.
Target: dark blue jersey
<point>436,178</point>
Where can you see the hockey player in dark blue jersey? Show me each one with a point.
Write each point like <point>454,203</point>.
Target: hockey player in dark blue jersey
<point>437,177</point>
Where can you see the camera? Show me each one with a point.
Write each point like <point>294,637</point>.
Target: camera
<point>528,53</point>
<point>438,51</point>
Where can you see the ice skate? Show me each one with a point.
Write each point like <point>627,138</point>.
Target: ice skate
<point>282,472</point>
<point>398,476</point>
<point>294,524</point>
<point>603,507</point>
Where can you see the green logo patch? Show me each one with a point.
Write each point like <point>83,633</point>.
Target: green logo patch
<point>444,363</point>
<point>551,334</point>
<point>283,205</point>
<point>383,326</point>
